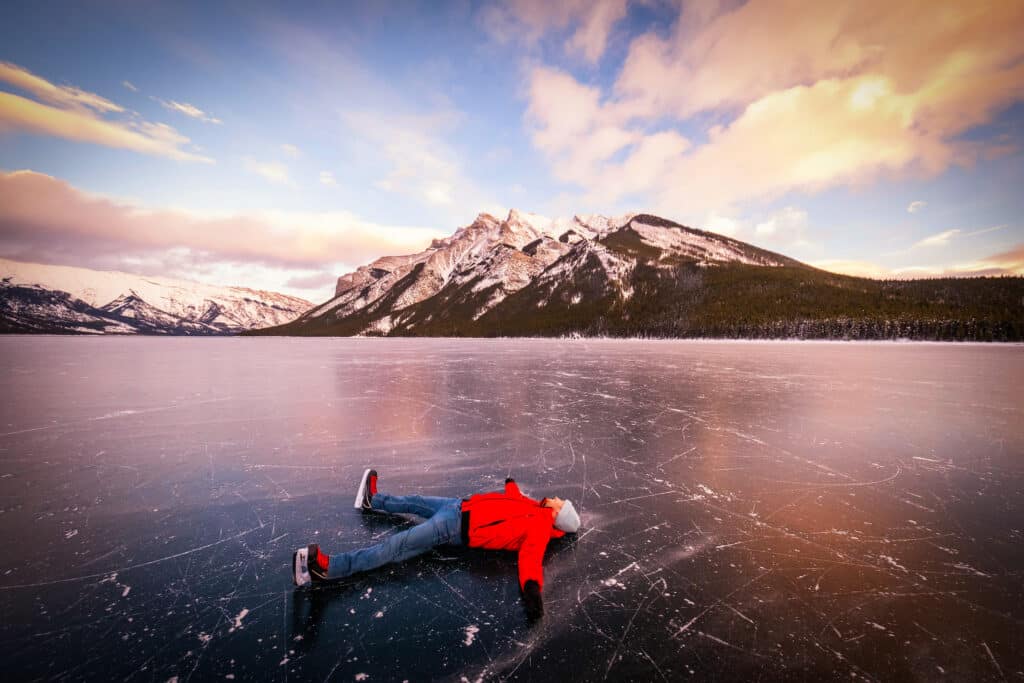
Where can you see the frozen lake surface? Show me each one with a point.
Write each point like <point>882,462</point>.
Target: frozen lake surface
<point>750,510</point>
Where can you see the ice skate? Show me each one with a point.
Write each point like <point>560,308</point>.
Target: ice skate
<point>367,490</point>
<point>309,565</point>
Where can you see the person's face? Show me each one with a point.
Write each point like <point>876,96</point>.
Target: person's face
<point>555,504</point>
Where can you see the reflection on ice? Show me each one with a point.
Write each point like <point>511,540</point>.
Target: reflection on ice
<point>749,510</point>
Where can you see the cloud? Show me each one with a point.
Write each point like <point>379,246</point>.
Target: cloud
<point>61,95</point>
<point>730,58</point>
<point>528,21</point>
<point>723,225</point>
<point>982,231</point>
<point>74,114</point>
<point>939,240</point>
<point>854,268</point>
<point>327,178</point>
<point>1009,262</point>
<point>421,164</point>
<point>130,86</point>
<point>848,100</point>
<point>914,207</point>
<point>942,239</point>
<point>272,171</point>
<point>591,36</point>
<point>581,137</point>
<point>291,150</point>
<point>189,110</point>
<point>316,281</point>
<point>46,220</point>
<point>787,226</point>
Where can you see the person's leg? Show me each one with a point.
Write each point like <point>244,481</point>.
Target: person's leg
<point>442,527</point>
<point>423,506</point>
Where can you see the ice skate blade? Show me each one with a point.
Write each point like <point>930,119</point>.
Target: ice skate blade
<point>363,483</point>
<point>300,567</point>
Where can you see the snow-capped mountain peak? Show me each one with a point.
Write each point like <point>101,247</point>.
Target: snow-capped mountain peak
<point>489,260</point>
<point>38,297</point>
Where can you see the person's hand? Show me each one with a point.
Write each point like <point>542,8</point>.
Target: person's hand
<point>533,600</point>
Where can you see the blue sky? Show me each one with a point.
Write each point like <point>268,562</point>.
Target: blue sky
<point>279,147</point>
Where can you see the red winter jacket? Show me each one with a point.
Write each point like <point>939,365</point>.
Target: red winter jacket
<point>510,521</point>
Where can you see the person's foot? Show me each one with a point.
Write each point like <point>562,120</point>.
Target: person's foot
<point>367,490</point>
<point>318,563</point>
<point>309,565</point>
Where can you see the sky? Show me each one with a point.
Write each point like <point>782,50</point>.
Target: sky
<point>280,145</point>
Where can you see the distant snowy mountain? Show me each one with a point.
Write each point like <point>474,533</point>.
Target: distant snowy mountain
<point>62,299</point>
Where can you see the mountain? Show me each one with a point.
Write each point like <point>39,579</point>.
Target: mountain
<point>66,300</point>
<point>641,275</point>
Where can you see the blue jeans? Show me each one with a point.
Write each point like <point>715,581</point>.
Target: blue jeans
<point>443,525</point>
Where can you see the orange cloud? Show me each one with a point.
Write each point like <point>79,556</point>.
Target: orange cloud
<point>61,95</point>
<point>817,95</point>
<point>43,218</point>
<point>806,138</point>
<point>75,114</point>
<point>732,58</point>
<point>1010,262</point>
<point>1005,263</point>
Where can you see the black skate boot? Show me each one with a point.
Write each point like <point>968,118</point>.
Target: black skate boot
<point>367,490</point>
<point>309,565</point>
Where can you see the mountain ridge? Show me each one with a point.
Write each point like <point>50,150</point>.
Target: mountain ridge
<point>643,275</point>
<point>43,298</point>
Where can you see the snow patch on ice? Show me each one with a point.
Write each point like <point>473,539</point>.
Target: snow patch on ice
<point>238,619</point>
<point>892,561</point>
<point>964,567</point>
<point>116,413</point>
<point>470,632</point>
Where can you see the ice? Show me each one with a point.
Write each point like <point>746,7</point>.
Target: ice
<point>750,510</point>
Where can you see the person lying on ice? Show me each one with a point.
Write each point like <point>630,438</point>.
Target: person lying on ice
<point>505,520</point>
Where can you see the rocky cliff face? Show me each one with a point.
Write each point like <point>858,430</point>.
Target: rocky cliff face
<point>470,274</point>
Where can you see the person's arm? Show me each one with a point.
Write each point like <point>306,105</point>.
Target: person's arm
<point>511,488</point>
<point>531,569</point>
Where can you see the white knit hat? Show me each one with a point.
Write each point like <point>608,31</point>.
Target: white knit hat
<point>567,520</point>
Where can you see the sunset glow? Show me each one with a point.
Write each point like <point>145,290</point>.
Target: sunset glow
<point>865,138</point>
